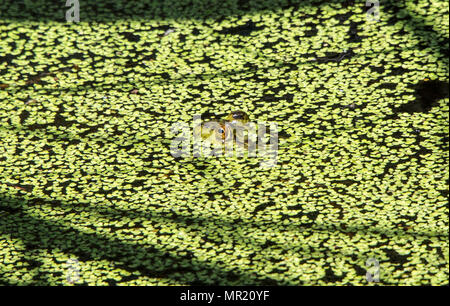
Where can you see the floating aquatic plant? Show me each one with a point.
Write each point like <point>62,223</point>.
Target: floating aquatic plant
<point>86,171</point>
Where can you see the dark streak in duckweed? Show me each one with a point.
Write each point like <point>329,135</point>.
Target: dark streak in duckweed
<point>428,93</point>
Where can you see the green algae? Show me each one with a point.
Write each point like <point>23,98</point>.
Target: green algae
<point>86,171</point>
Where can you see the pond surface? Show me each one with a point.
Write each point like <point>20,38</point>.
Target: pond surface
<point>90,194</point>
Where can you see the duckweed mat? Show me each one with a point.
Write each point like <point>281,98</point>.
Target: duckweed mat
<point>90,194</point>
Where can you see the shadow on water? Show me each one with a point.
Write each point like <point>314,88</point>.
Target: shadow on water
<point>150,260</point>
<point>154,258</point>
<point>427,93</point>
<point>109,10</point>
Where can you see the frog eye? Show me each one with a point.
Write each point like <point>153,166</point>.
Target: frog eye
<point>221,130</point>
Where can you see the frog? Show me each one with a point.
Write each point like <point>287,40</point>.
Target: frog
<point>221,131</point>
<point>218,132</point>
